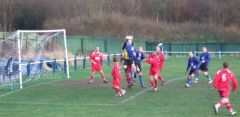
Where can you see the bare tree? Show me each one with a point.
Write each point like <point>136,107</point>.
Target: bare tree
<point>7,15</point>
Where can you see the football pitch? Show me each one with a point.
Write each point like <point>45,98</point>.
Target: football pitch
<point>75,98</point>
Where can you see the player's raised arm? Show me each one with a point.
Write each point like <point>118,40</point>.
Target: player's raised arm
<point>149,59</point>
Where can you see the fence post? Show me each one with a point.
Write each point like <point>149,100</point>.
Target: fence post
<point>75,63</point>
<point>120,57</point>
<point>108,59</point>
<point>41,67</point>
<point>166,54</point>
<point>11,86</point>
<point>54,65</point>
<point>84,62</point>
<point>28,69</point>
<point>220,55</point>
<point>65,65</point>
<point>194,53</point>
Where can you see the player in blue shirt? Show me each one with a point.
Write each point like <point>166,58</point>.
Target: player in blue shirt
<point>204,64</point>
<point>192,67</point>
<point>139,57</point>
<point>129,55</point>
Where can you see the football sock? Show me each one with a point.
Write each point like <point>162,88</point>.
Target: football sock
<point>160,78</point>
<point>208,77</point>
<point>229,107</point>
<point>129,81</point>
<point>197,77</point>
<point>152,82</point>
<point>103,77</point>
<point>189,81</point>
<point>156,83</point>
<point>92,77</point>
<point>132,74</point>
<point>141,80</point>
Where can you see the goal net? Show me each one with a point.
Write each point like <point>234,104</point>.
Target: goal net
<point>30,55</point>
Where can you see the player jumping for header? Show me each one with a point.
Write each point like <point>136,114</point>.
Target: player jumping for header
<point>192,67</point>
<point>129,55</point>
<point>222,81</point>
<point>96,58</point>
<point>204,65</point>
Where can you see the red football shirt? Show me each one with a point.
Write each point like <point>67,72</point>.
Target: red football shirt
<point>96,57</point>
<point>155,60</point>
<point>116,71</point>
<point>222,80</point>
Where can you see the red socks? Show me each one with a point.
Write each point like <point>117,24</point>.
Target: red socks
<point>91,77</point>
<point>160,78</point>
<point>103,77</point>
<point>129,81</point>
<point>118,89</point>
<point>228,105</point>
<point>154,83</point>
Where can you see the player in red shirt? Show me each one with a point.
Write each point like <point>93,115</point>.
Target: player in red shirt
<point>222,81</point>
<point>117,78</point>
<point>96,58</point>
<point>154,60</point>
<point>162,60</point>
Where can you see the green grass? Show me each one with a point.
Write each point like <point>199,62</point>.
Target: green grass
<point>73,98</point>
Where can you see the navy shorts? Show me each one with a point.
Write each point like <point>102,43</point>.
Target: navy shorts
<point>193,71</point>
<point>128,62</point>
<point>139,66</point>
<point>203,67</point>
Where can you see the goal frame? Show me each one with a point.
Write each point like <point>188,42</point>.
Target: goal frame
<point>40,31</point>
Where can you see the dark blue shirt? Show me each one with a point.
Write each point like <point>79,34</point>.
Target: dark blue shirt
<point>131,51</point>
<point>139,57</point>
<point>193,63</point>
<point>205,57</point>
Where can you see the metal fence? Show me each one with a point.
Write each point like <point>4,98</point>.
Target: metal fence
<point>182,47</point>
<point>83,45</point>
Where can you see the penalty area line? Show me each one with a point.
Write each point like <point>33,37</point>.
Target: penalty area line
<point>55,104</point>
<point>143,91</point>
<point>44,83</point>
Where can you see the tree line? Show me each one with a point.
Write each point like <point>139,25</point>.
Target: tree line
<point>167,20</point>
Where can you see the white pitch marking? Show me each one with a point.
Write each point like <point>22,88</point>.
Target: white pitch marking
<point>140,93</point>
<point>30,87</point>
<point>56,104</point>
<point>62,104</point>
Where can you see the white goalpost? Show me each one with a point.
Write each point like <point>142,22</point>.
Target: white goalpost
<point>32,45</point>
